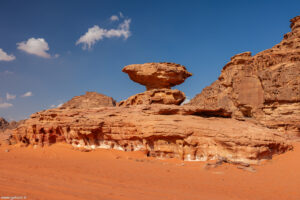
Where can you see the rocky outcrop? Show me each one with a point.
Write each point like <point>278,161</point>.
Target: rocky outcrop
<point>89,100</point>
<point>264,87</point>
<point>261,91</point>
<point>158,79</point>
<point>158,130</point>
<point>6,129</point>
<point>155,96</point>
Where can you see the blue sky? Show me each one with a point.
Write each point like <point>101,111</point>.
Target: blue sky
<point>41,65</point>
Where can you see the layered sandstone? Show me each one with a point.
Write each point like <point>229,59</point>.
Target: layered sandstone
<point>158,130</point>
<point>265,87</point>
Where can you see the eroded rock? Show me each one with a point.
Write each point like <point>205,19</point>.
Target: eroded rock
<point>264,87</point>
<point>89,100</point>
<point>159,134</point>
<point>157,75</point>
<point>155,96</point>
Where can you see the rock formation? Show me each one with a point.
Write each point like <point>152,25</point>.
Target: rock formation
<point>158,130</point>
<point>158,79</point>
<point>157,75</point>
<point>261,91</point>
<point>6,129</point>
<point>264,87</point>
<point>89,100</point>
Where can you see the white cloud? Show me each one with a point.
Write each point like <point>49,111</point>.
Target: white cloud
<point>56,56</point>
<point>10,96</point>
<point>186,101</point>
<point>27,94</point>
<point>121,15</point>
<point>5,57</point>
<point>38,47</point>
<point>5,105</point>
<point>96,33</point>
<point>56,106</point>
<point>6,72</point>
<point>114,18</point>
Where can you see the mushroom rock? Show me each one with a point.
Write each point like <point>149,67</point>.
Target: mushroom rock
<point>158,79</point>
<point>264,87</point>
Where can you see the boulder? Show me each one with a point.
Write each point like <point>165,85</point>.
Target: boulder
<point>157,75</point>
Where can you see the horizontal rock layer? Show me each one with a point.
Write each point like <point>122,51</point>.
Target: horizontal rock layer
<point>158,130</point>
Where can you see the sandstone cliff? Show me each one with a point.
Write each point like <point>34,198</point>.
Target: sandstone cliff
<point>265,87</point>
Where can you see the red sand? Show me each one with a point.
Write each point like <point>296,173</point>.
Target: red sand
<point>58,172</point>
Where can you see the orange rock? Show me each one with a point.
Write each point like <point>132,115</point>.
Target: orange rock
<point>157,75</point>
<point>159,130</point>
<point>155,96</point>
<point>89,100</point>
<point>265,87</point>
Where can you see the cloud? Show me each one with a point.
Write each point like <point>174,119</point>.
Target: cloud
<point>27,94</point>
<point>5,57</point>
<point>38,47</point>
<point>186,101</point>
<point>96,33</point>
<point>6,72</point>
<point>10,96</point>
<point>121,14</point>
<point>114,18</point>
<point>5,105</point>
<point>56,106</point>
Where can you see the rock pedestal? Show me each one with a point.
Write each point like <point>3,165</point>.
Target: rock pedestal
<point>158,79</point>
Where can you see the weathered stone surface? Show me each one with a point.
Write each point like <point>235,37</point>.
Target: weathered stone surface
<point>265,87</point>
<point>157,75</point>
<point>89,100</point>
<point>6,129</point>
<point>155,96</point>
<point>158,130</point>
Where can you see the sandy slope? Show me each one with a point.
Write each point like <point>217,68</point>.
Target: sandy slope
<point>58,172</point>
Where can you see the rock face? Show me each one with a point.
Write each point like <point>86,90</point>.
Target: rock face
<point>158,130</point>
<point>158,79</point>
<point>157,75</point>
<point>155,96</point>
<point>265,87</point>
<point>6,129</point>
<point>89,100</point>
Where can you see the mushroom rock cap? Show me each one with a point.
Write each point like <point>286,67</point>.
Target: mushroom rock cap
<point>157,75</point>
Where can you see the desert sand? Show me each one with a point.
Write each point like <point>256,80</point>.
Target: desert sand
<point>60,172</point>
